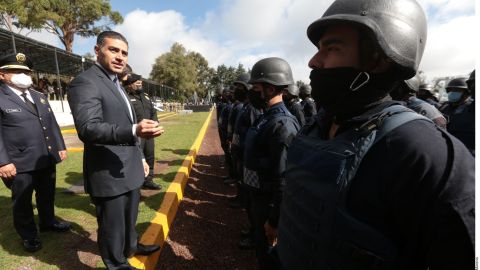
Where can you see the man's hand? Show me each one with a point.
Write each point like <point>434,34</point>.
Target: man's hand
<point>8,171</point>
<point>62,154</point>
<point>146,168</point>
<point>271,234</point>
<point>148,129</point>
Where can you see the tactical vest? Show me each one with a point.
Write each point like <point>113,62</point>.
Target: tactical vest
<point>315,230</point>
<point>255,159</point>
<point>461,124</point>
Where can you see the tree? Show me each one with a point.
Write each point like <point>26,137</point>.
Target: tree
<point>176,69</point>
<point>204,74</point>
<point>62,18</point>
<point>225,76</point>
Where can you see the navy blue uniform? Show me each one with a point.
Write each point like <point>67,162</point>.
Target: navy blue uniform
<point>461,123</point>
<point>30,138</point>
<point>296,109</point>
<point>309,108</point>
<point>245,119</point>
<point>223,132</point>
<point>408,204</point>
<point>232,120</point>
<point>266,147</point>
<point>143,107</point>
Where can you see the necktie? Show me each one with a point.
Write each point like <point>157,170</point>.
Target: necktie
<point>30,104</point>
<point>119,88</point>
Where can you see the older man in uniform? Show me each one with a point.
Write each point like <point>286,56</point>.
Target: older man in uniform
<point>30,147</point>
<point>374,185</point>
<point>143,107</point>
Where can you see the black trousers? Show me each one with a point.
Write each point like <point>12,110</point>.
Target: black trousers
<point>116,218</point>
<point>261,206</point>
<point>22,186</point>
<point>148,148</point>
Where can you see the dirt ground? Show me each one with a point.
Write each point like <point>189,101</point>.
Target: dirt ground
<point>205,231</point>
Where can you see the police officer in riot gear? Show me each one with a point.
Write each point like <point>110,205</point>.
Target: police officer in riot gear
<point>245,119</point>
<point>425,93</point>
<point>291,100</point>
<point>308,104</point>
<point>460,110</point>
<point>240,91</point>
<point>405,91</point>
<point>374,185</point>
<point>143,107</point>
<point>219,102</point>
<point>471,84</point>
<point>266,147</point>
<point>223,132</point>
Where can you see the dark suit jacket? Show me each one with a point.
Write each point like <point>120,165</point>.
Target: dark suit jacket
<point>112,159</point>
<point>28,139</point>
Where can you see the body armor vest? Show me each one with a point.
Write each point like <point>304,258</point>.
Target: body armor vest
<point>255,159</point>
<point>315,229</point>
<point>461,124</point>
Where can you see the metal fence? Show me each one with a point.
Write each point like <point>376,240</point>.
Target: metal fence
<point>53,62</point>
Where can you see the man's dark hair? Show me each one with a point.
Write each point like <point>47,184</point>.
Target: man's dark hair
<point>109,34</point>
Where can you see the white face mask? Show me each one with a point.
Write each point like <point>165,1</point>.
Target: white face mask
<point>21,80</point>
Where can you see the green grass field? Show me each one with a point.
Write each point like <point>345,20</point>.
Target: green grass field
<point>73,250</point>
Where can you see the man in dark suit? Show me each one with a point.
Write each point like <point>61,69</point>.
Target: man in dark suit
<point>112,161</point>
<point>30,146</point>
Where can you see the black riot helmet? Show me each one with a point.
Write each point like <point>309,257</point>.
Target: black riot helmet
<point>403,90</point>
<point>292,89</point>
<point>273,70</point>
<point>457,83</point>
<point>305,90</point>
<point>426,87</point>
<point>398,27</point>
<point>413,83</point>
<point>243,80</point>
<point>471,82</point>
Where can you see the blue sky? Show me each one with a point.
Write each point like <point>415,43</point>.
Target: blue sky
<point>244,31</point>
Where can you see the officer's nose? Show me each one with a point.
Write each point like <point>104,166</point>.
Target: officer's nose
<point>316,61</point>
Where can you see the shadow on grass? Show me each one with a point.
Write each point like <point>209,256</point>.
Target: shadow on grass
<point>68,250</point>
<point>182,152</point>
<point>74,201</point>
<point>74,178</point>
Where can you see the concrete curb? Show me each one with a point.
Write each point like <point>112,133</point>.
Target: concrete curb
<point>159,227</point>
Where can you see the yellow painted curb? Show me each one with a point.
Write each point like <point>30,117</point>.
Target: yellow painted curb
<point>69,131</point>
<point>157,231</point>
<point>75,149</point>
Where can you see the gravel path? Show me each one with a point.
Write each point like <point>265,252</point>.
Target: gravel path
<point>205,231</point>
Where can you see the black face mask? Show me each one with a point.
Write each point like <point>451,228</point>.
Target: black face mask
<point>256,99</point>
<point>345,91</point>
<point>240,95</point>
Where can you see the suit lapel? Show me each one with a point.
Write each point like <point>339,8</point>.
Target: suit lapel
<point>38,102</point>
<point>111,85</point>
<point>15,98</point>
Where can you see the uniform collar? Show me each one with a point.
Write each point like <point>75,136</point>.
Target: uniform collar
<point>18,92</point>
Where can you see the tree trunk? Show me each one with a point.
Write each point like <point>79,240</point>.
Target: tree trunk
<point>8,19</point>
<point>68,36</point>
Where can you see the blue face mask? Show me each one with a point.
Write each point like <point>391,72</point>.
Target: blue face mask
<point>454,96</point>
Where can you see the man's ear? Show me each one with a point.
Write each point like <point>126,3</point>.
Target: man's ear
<point>97,50</point>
